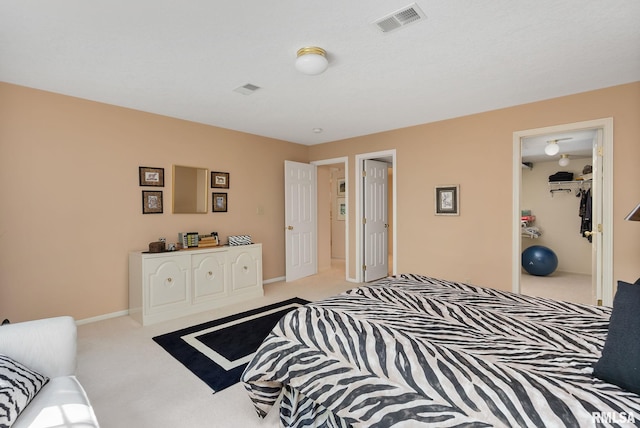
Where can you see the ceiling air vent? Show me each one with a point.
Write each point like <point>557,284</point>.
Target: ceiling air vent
<point>247,89</point>
<point>400,18</point>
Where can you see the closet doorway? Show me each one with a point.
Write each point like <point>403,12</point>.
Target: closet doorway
<point>584,273</point>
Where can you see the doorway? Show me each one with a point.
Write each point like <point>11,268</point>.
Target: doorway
<point>388,157</point>
<point>333,215</point>
<point>567,136</point>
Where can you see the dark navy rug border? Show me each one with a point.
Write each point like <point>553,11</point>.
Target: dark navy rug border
<point>200,365</point>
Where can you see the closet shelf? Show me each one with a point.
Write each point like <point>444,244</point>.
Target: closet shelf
<point>568,186</point>
<point>569,183</point>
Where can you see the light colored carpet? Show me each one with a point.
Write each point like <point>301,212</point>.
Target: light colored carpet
<point>569,287</point>
<point>133,382</point>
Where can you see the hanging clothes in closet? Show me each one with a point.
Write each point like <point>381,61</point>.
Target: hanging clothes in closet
<point>585,213</point>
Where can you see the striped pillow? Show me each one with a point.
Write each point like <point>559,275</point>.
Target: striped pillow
<point>18,386</point>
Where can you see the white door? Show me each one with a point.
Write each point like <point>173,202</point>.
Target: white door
<point>300,220</point>
<point>596,220</point>
<point>375,221</point>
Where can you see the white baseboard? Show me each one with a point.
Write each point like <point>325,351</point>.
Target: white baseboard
<point>126,312</point>
<point>103,317</point>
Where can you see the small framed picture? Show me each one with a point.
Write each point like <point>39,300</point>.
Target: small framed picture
<point>219,202</point>
<point>151,202</point>
<point>151,176</point>
<point>220,180</point>
<point>341,209</point>
<point>448,200</point>
<point>341,187</point>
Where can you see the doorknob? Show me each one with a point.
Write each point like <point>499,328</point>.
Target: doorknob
<point>289,227</point>
<point>589,233</point>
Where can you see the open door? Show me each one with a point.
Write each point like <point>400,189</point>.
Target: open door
<point>375,221</point>
<point>300,220</point>
<point>597,220</point>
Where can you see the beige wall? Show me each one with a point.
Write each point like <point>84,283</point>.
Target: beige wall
<point>476,152</point>
<point>557,216</point>
<point>71,204</point>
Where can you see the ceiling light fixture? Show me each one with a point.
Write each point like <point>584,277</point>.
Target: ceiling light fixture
<point>311,60</point>
<point>564,160</point>
<point>552,148</point>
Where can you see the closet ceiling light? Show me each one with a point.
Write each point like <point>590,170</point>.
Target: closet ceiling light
<point>552,148</point>
<point>564,160</point>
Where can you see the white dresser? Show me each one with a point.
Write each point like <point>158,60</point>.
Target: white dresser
<point>169,285</point>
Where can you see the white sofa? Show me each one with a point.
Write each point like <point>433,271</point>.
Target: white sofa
<point>48,346</point>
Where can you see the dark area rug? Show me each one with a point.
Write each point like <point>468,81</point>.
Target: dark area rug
<point>218,351</point>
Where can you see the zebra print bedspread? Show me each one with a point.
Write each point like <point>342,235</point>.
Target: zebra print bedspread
<point>417,351</point>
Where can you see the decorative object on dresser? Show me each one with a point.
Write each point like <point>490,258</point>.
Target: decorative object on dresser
<point>219,202</point>
<point>218,351</point>
<point>219,180</point>
<point>157,247</point>
<point>152,202</point>
<point>168,285</point>
<point>189,239</point>
<point>208,240</point>
<point>240,240</point>
<point>151,176</point>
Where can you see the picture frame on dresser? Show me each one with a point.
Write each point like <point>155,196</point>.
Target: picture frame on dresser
<point>150,176</point>
<point>152,202</point>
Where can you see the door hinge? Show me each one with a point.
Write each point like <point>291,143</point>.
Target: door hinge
<point>600,151</point>
<point>600,227</point>
<point>364,267</point>
<point>599,302</point>
<point>364,173</point>
<point>364,220</point>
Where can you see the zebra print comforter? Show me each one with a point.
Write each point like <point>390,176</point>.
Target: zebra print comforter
<point>417,351</point>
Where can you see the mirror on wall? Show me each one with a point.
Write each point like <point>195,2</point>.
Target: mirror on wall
<point>189,190</point>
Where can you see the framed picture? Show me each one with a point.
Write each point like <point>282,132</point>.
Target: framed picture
<point>219,202</point>
<point>341,209</point>
<point>220,180</point>
<point>152,202</point>
<point>448,200</point>
<point>341,187</point>
<point>151,176</point>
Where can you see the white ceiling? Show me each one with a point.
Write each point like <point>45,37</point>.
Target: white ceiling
<point>184,58</point>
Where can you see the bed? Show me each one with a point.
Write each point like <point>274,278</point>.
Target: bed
<point>418,351</point>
